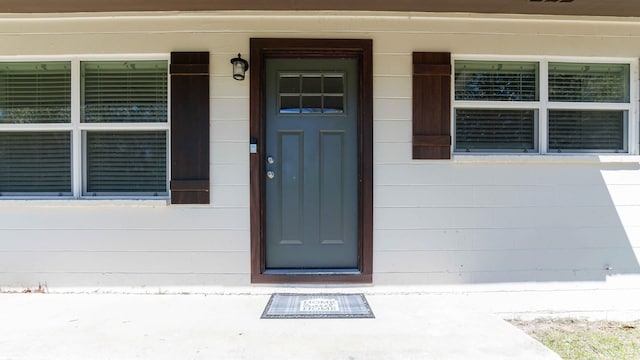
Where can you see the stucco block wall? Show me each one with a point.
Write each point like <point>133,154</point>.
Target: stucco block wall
<point>465,221</point>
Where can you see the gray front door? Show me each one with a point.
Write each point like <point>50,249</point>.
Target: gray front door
<point>312,165</point>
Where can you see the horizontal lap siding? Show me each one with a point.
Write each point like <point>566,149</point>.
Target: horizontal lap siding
<point>145,262</point>
<point>121,246</point>
<point>122,240</point>
<point>502,223</point>
<point>155,283</point>
<point>436,222</point>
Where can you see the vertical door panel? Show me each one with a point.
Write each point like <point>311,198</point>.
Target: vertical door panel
<point>290,194</point>
<point>331,187</point>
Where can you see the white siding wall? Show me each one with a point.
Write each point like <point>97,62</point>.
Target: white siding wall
<point>436,222</point>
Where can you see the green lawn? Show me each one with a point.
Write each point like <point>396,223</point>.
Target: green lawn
<point>585,340</point>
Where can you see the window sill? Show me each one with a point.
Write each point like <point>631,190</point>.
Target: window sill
<point>545,159</point>
<point>13,202</point>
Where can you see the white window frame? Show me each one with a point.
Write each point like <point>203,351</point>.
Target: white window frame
<point>544,105</point>
<point>78,129</point>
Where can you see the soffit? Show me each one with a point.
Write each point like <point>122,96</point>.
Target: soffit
<point>627,8</point>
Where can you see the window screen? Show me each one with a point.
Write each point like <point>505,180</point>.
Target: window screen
<point>35,93</point>
<point>35,163</point>
<point>121,162</point>
<point>584,130</point>
<point>495,130</point>
<point>598,83</point>
<point>496,81</point>
<point>124,91</point>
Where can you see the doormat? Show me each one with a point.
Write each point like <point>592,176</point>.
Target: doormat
<point>317,306</point>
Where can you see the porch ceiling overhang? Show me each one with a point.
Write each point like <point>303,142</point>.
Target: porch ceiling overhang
<point>627,8</point>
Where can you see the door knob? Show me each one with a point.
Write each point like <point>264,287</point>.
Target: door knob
<point>271,174</point>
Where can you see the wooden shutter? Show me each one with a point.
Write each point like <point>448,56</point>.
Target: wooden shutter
<point>190,127</point>
<point>431,105</point>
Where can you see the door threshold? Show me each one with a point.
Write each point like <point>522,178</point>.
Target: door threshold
<point>312,276</point>
<point>312,272</point>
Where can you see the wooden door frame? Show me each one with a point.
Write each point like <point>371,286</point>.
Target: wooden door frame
<point>361,50</point>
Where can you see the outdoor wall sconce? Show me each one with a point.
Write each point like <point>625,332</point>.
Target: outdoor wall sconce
<point>240,66</point>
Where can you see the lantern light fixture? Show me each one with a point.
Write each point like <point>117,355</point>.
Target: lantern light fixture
<point>240,66</point>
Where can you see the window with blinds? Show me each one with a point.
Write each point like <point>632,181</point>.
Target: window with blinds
<point>118,136</point>
<point>34,95</point>
<point>125,161</point>
<point>500,106</point>
<point>495,127</point>
<point>588,127</point>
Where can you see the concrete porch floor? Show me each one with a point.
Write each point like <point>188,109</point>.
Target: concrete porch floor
<point>121,326</point>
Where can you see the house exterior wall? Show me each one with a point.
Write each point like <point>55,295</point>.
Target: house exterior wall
<point>471,220</point>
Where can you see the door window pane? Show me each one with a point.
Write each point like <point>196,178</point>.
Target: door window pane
<point>334,84</point>
<point>333,104</point>
<point>35,92</point>
<point>290,104</point>
<point>311,93</point>
<point>35,162</point>
<point>312,84</point>
<point>290,84</point>
<point>311,104</point>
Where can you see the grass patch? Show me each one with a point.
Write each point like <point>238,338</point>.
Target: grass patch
<point>586,340</point>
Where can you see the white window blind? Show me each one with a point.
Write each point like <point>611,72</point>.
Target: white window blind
<point>495,127</point>
<point>496,81</point>
<point>495,130</point>
<point>597,83</point>
<point>35,163</point>
<point>585,130</point>
<point>35,92</point>
<point>121,162</point>
<point>124,91</point>
<point>125,161</point>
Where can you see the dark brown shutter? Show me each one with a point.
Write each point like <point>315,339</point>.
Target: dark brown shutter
<point>431,105</point>
<point>190,128</point>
